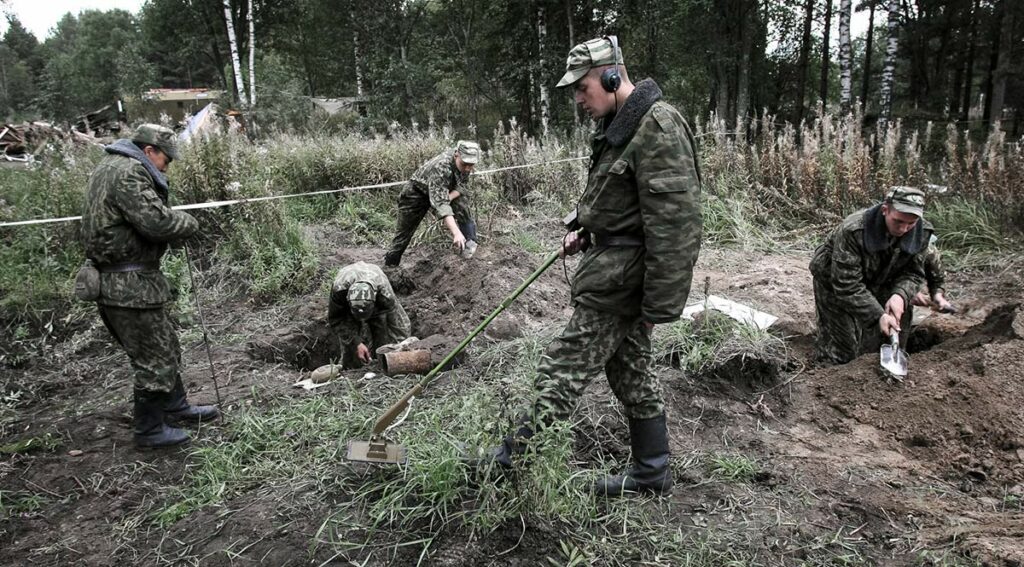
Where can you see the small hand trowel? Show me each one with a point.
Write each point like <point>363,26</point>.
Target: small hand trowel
<point>893,358</point>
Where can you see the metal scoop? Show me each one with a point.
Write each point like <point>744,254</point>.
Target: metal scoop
<point>893,358</point>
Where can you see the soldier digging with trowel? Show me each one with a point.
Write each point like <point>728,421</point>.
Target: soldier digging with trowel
<point>365,313</point>
<point>865,274</point>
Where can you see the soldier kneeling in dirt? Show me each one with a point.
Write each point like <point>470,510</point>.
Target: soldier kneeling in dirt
<point>935,278</point>
<point>126,228</point>
<point>365,313</point>
<point>438,185</point>
<point>865,274</point>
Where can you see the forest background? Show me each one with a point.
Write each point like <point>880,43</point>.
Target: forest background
<point>465,62</point>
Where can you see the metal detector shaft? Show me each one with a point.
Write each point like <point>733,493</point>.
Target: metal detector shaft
<point>202,323</point>
<point>389,416</point>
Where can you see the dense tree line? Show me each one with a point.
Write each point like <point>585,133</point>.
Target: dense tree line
<point>467,61</point>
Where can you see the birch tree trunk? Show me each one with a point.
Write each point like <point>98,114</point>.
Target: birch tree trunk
<point>252,58</point>
<point>569,16</point>
<point>845,57</point>
<point>544,102</point>
<point>889,68</point>
<point>236,65</point>
<point>826,53</point>
<point>355,55</point>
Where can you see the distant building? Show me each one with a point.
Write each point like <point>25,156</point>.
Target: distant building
<point>175,103</point>
<point>347,104</point>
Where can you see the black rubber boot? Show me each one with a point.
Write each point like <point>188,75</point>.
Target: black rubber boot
<point>179,412</point>
<point>650,471</point>
<point>512,445</point>
<point>150,429</point>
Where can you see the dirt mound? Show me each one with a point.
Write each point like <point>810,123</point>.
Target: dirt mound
<point>307,343</point>
<point>445,296</point>
<point>453,295</point>
<point>958,413</point>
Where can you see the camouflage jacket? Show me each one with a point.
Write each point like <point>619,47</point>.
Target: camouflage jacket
<point>126,219</point>
<point>934,275</point>
<point>437,177</point>
<point>349,329</point>
<point>862,266</point>
<point>644,182</point>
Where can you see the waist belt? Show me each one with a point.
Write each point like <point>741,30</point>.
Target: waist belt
<point>129,267</point>
<point>612,240</point>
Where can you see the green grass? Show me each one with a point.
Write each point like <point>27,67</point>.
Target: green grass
<point>696,348</point>
<point>735,468</point>
<point>294,448</point>
<point>369,218</point>
<point>271,254</point>
<point>14,503</point>
<point>45,442</point>
<point>969,234</point>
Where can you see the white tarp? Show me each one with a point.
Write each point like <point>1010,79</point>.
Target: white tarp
<point>742,313</point>
<point>196,124</point>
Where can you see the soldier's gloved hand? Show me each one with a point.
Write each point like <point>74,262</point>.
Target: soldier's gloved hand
<point>888,324</point>
<point>895,306</point>
<point>363,353</point>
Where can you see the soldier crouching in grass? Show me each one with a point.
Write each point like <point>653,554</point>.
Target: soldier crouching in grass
<point>126,228</point>
<point>438,185</point>
<point>865,274</point>
<point>640,227</point>
<point>365,313</point>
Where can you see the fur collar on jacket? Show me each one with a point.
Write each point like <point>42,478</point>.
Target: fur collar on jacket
<point>126,148</point>
<point>625,122</point>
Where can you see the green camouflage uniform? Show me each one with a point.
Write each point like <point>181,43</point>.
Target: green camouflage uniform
<point>641,214</point>
<point>934,275</point>
<point>127,221</point>
<point>428,190</point>
<point>856,270</point>
<point>388,324</point>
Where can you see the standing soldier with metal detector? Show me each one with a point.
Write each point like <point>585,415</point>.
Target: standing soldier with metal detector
<point>126,228</point>
<point>641,230</point>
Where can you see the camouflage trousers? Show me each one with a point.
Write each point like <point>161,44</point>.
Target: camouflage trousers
<point>387,328</point>
<point>413,205</point>
<point>842,337</point>
<point>593,341</point>
<point>151,343</point>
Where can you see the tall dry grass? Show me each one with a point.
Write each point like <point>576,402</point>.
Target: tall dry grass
<point>830,167</point>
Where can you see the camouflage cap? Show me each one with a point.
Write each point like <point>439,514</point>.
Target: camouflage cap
<point>468,151</point>
<point>586,56</point>
<point>908,200</point>
<point>361,300</point>
<point>159,136</point>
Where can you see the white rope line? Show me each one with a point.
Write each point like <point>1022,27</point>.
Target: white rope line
<point>216,204</point>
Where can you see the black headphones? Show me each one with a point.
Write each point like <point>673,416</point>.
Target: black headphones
<point>611,80</point>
